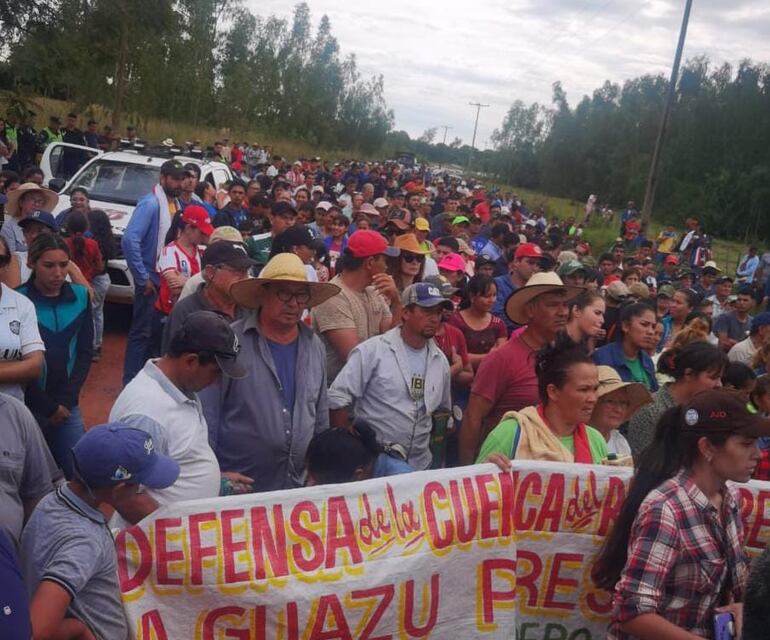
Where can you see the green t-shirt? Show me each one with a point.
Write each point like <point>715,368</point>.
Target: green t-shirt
<point>258,247</point>
<point>500,440</point>
<point>638,374</point>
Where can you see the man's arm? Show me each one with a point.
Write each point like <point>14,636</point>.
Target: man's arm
<point>348,386</point>
<point>470,434</point>
<point>24,370</point>
<point>48,610</point>
<point>343,341</point>
<point>131,243</point>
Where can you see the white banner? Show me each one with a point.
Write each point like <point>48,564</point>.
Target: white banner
<point>452,554</point>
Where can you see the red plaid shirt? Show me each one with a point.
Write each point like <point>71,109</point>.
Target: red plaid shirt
<point>684,559</point>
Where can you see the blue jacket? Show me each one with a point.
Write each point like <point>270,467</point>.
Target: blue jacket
<point>140,241</point>
<point>612,355</point>
<point>67,330</point>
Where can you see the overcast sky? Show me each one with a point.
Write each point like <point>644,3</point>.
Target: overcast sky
<point>439,56</point>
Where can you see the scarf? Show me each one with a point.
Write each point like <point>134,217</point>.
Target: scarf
<point>536,441</point>
<point>164,218</point>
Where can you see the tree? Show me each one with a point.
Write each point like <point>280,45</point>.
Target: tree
<point>429,135</point>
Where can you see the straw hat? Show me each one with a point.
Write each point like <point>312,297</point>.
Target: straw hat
<point>538,284</point>
<point>12,206</point>
<point>610,384</point>
<point>408,242</point>
<point>284,267</point>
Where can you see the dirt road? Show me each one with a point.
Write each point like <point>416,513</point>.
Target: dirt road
<point>105,378</point>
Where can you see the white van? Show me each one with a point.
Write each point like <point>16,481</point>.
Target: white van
<point>116,181</point>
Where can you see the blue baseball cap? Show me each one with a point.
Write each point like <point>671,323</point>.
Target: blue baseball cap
<point>424,294</point>
<point>42,217</point>
<point>760,320</point>
<point>112,453</point>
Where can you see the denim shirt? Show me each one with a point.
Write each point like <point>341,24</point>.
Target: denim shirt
<point>612,355</point>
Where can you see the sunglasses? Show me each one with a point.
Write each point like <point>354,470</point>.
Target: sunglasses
<point>413,257</point>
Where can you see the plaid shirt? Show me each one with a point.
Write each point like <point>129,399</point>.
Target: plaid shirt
<point>683,554</point>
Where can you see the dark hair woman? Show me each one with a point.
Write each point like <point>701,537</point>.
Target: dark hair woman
<point>675,557</point>
<point>628,353</point>
<point>695,367</point>
<point>483,331</point>
<point>586,319</point>
<point>556,429</point>
<point>683,303</point>
<point>67,328</point>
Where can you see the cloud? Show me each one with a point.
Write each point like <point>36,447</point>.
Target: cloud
<point>437,57</point>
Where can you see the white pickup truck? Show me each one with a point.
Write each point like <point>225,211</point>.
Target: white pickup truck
<point>115,181</point>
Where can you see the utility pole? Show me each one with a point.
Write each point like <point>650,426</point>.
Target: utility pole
<point>479,107</point>
<point>652,178</point>
<point>445,128</point>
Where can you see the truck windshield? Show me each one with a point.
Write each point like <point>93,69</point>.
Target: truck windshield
<point>117,182</point>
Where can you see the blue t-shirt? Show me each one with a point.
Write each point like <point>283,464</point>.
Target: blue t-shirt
<point>14,604</point>
<point>387,465</point>
<point>285,360</point>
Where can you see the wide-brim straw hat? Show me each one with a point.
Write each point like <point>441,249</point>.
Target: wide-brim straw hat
<point>610,383</point>
<point>12,206</point>
<point>537,285</point>
<point>284,267</point>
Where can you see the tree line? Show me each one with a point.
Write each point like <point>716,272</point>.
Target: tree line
<point>715,164</point>
<point>202,62</point>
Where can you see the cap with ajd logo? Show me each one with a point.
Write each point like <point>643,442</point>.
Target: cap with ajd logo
<point>725,411</point>
<point>112,453</point>
<point>209,332</point>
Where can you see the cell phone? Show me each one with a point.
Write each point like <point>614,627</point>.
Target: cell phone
<point>724,626</point>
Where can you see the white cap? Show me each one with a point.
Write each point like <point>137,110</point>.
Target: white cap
<point>325,205</point>
<point>531,223</point>
<point>380,202</point>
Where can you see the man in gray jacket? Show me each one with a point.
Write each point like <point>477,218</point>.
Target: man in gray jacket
<point>397,381</point>
<point>261,425</point>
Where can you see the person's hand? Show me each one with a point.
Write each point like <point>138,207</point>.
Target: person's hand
<point>239,482</point>
<point>60,415</point>
<point>500,459</point>
<point>175,279</point>
<point>386,287</point>
<point>149,288</point>
<point>736,608</point>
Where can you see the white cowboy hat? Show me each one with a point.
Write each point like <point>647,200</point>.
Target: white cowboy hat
<point>12,206</point>
<point>284,267</point>
<point>538,284</point>
<point>610,383</point>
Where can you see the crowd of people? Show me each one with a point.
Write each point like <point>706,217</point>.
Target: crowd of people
<point>317,323</point>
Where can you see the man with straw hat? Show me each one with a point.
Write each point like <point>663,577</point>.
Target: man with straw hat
<point>22,201</point>
<point>260,426</point>
<point>506,380</point>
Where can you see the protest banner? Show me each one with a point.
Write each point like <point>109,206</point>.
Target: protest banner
<point>414,556</point>
<point>451,554</point>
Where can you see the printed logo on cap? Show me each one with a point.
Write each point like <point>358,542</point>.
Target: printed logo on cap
<point>236,344</point>
<point>148,446</point>
<point>691,417</point>
<point>433,291</point>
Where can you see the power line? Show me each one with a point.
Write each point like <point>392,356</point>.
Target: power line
<point>479,107</point>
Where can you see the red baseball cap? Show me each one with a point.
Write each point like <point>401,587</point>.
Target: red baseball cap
<point>366,243</point>
<point>671,260</point>
<point>528,250</point>
<point>199,218</point>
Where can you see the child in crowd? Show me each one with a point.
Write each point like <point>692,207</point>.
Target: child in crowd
<point>338,240</point>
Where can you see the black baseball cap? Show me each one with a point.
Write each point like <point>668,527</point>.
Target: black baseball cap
<point>232,254</point>
<point>172,168</point>
<point>283,209</point>
<point>191,167</point>
<point>298,235</point>
<point>723,411</point>
<point>209,332</point>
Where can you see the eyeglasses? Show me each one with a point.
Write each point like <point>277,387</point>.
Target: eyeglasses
<point>413,257</point>
<point>286,295</point>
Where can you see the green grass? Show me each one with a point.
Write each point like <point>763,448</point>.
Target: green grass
<point>601,235</point>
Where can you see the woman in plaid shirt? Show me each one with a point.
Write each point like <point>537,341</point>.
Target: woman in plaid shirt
<point>675,556</point>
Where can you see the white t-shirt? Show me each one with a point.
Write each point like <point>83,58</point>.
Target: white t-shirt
<point>178,428</point>
<point>618,444</point>
<point>742,351</point>
<point>19,333</point>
